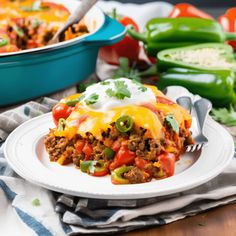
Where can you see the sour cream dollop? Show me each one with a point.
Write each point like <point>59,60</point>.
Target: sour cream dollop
<point>113,93</point>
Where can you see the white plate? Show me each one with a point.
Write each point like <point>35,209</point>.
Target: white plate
<point>25,152</point>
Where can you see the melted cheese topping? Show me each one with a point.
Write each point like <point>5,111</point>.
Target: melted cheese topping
<point>56,15</point>
<point>144,111</point>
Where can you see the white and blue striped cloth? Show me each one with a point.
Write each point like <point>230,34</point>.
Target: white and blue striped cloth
<point>60,214</point>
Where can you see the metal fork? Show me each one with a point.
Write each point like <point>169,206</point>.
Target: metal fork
<point>202,108</point>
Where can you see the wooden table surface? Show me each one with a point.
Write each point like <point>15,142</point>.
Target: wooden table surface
<point>219,221</point>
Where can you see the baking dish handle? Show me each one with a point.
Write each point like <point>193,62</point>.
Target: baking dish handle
<point>111,32</point>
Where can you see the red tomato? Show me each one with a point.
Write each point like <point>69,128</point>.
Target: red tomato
<point>127,47</point>
<point>188,10</point>
<point>164,100</point>
<point>140,162</point>
<point>123,157</point>
<point>61,110</point>
<point>87,150</point>
<point>167,161</point>
<point>228,22</point>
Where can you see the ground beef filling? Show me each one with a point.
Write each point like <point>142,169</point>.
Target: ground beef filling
<point>65,151</point>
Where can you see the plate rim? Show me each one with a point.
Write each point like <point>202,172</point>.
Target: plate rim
<point>205,178</point>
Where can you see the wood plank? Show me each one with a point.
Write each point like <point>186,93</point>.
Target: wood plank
<point>219,221</point>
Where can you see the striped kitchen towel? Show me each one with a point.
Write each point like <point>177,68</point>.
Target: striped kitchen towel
<point>37,211</point>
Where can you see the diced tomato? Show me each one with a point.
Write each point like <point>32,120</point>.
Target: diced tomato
<point>61,110</point>
<point>87,150</point>
<point>116,146</point>
<point>164,100</point>
<point>140,162</point>
<point>167,161</point>
<point>79,145</point>
<point>123,157</point>
<point>188,123</point>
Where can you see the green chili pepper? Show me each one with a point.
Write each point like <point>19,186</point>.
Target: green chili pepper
<point>162,33</point>
<point>3,42</point>
<point>117,175</point>
<point>207,56</point>
<point>61,124</point>
<point>217,86</point>
<point>109,153</point>
<point>124,124</point>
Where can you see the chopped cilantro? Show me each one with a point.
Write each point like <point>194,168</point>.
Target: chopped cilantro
<point>91,99</point>
<point>110,92</point>
<point>36,202</point>
<point>105,83</point>
<point>225,116</point>
<point>172,122</point>
<point>142,89</point>
<point>121,90</point>
<point>81,97</point>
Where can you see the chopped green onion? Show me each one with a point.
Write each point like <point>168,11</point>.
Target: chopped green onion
<point>124,124</point>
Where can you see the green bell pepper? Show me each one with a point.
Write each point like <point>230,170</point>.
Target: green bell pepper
<point>217,86</point>
<point>163,33</point>
<point>95,168</point>
<point>207,56</point>
<point>117,175</point>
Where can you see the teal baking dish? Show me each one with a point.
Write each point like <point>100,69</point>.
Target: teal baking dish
<point>32,73</point>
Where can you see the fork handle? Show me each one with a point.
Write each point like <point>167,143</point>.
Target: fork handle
<point>76,16</point>
<point>202,108</point>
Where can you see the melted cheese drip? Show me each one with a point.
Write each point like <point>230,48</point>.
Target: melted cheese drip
<point>97,121</point>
